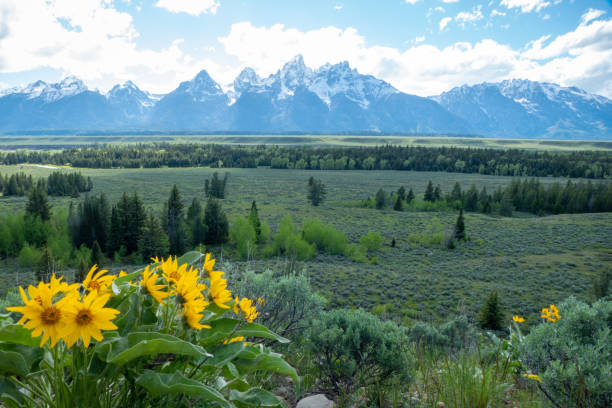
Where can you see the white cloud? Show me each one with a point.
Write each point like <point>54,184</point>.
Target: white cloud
<point>338,7</point>
<point>419,39</point>
<point>581,57</point>
<point>193,7</point>
<point>444,22</point>
<point>450,1</point>
<point>412,1</point>
<point>89,39</point>
<point>469,17</point>
<point>591,14</point>
<point>497,13</point>
<point>526,6</point>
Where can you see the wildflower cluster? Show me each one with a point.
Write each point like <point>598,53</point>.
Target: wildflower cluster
<point>551,313</point>
<point>57,310</point>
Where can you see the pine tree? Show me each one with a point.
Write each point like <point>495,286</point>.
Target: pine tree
<point>506,207</point>
<point>491,316</point>
<point>429,192</point>
<point>195,221</point>
<point>217,226</point>
<point>460,227</point>
<point>175,223</point>
<point>38,204</point>
<point>380,199</point>
<point>437,194</point>
<point>410,196</point>
<point>316,191</point>
<point>398,205</point>
<point>401,193</point>
<point>97,257</point>
<point>456,193</point>
<point>254,220</point>
<point>44,266</point>
<point>153,241</point>
<point>471,199</point>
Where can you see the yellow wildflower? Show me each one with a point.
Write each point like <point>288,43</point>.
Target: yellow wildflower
<point>41,315</point>
<point>193,312</point>
<point>218,289</point>
<point>189,295</point>
<point>209,263</point>
<point>172,272</point>
<point>551,313</point>
<point>534,377</point>
<point>98,282</point>
<point>246,307</point>
<point>518,319</point>
<point>261,301</point>
<point>234,340</point>
<point>86,319</point>
<point>148,281</point>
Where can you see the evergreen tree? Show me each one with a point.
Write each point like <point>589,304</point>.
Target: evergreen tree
<point>380,199</point>
<point>410,196</point>
<point>456,193</point>
<point>153,241</point>
<point>491,316</point>
<point>429,192</point>
<point>116,232</point>
<point>484,201</point>
<point>601,286</point>
<point>506,207</point>
<point>401,193</point>
<point>44,266</point>
<point>195,221</point>
<point>217,226</point>
<point>175,223</point>
<point>437,194</point>
<point>398,205</point>
<point>316,191</point>
<point>254,220</point>
<point>97,257</point>
<point>460,227</point>
<point>38,204</point>
<point>471,199</point>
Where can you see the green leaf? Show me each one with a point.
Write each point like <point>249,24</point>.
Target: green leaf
<point>122,350</point>
<point>256,397</point>
<point>257,330</point>
<point>159,384</point>
<point>225,353</point>
<point>13,363</point>
<point>10,394</point>
<point>17,334</point>
<point>251,360</point>
<point>220,330</point>
<point>190,258</point>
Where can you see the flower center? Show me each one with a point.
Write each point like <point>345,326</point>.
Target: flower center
<point>51,315</point>
<point>83,317</point>
<point>174,275</point>
<point>94,285</point>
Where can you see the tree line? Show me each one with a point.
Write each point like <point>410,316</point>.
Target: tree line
<point>58,183</point>
<point>525,195</point>
<point>510,162</point>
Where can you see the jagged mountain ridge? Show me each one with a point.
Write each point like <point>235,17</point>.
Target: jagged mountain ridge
<point>298,98</point>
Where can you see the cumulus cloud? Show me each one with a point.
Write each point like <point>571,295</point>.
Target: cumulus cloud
<point>193,7</point>
<point>92,40</point>
<point>526,6</point>
<point>581,57</point>
<point>469,17</point>
<point>591,14</point>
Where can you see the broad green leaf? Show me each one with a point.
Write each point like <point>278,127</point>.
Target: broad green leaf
<point>10,394</point>
<point>190,258</point>
<point>267,362</point>
<point>122,350</point>
<point>128,315</point>
<point>256,397</point>
<point>225,353</point>
<point>170,384</point>
<point>257,330</point>
<point>13,363</point>
<point>17,334</point>
<point>220,330</point>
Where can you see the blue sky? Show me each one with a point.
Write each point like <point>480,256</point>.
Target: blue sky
<point>420,46</point>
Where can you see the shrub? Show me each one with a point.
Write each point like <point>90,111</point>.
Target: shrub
<point>354,349</point>
<point>371,241</point>
<point>325,237</point>
<point>28,256</point>
<point>244,236</point>
<point>573,355</point>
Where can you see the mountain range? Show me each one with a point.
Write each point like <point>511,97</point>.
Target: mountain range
<point>332,98</point>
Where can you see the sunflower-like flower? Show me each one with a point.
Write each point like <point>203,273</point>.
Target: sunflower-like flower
<point>534,377</point>
<point>149,279</point>
<point>218,289</point>
<point>246,307</point>
<point>518,319</point>
<point>86,319</point>
<point>189,295</point>
<point>98,282</point>
<point>171,270</point>
<point>41,315</point>
<point>551,313</point>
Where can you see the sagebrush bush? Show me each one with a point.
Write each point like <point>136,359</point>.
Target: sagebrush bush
<point>573,355</point>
